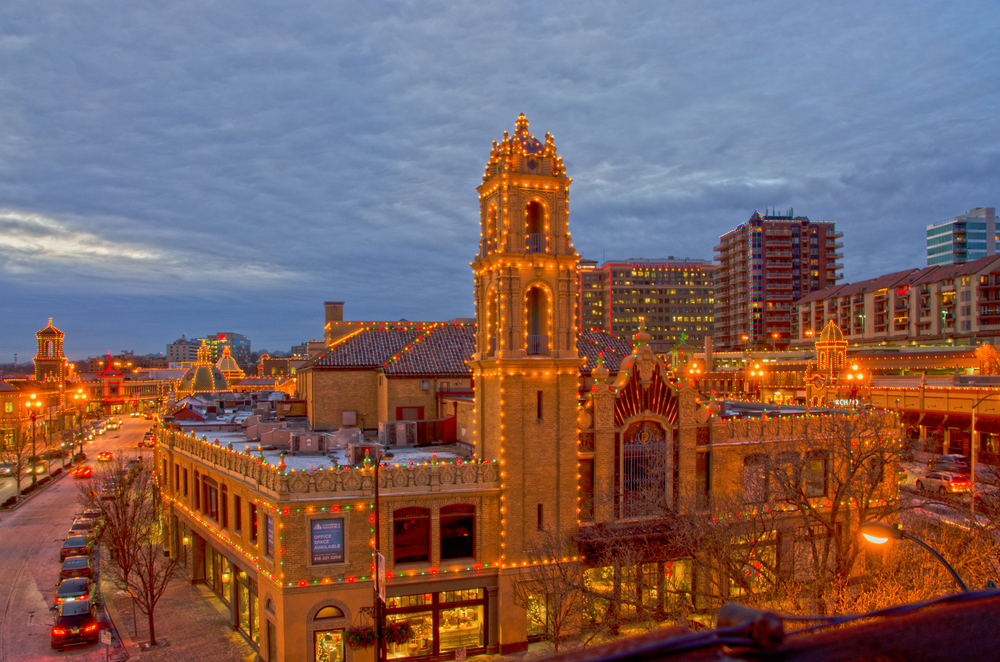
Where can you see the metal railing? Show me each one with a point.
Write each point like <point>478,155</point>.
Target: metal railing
<point>536,243</point>
<point>538,345</point>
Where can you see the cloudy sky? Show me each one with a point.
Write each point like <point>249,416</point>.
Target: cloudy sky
<point>194,167</point>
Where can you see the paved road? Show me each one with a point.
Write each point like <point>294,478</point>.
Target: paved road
<point>30,538</point>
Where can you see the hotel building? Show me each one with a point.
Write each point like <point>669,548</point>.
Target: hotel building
<point>965,238</point>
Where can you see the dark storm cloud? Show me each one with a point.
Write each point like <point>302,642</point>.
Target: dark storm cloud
<point>230,165</point>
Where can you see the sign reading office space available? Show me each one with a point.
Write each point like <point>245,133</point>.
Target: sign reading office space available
<point>327,541</point>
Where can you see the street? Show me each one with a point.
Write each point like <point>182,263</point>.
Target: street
<point>30,538</point>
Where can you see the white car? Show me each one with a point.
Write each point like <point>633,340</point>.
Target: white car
<point>944,483</point>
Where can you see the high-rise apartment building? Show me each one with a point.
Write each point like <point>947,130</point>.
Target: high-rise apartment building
<point>962,239</point>
<point>765,265</point>
<point>673,298</point>
<point>238,344</point>
<point>183,350</point>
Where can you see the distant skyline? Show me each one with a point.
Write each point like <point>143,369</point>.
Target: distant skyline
<point>190,167</point>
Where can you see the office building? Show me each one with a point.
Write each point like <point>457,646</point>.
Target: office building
<point>673,298</point>
<point>964,238</point>
<point>765,265</point>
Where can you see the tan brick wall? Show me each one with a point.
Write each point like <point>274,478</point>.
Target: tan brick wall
<point>334,391</point>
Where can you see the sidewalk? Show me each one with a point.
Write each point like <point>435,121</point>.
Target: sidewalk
<point>191,624</point>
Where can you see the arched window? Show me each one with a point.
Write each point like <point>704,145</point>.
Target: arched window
<point>534,217</point>
<point>492,234</point>
<point>492,322</point>
<point>328,612</point>
<point>458,531</point>
<point>537,321</point>
<point>411,539</point>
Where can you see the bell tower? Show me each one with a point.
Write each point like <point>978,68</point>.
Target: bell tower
<point>50,364</point>
<point>526,364</point>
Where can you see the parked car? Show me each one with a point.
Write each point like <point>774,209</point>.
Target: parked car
<point>93,514</point>
<point>104,456</point>
<point>83,527</point>
<point>6,469</point>
<point>76,566</point>
<point>953,463</point>
<point>75,588</point>
<point>36,465</point>
<point>75,623</point>
<point>944,483</point>
<point>76,546</point>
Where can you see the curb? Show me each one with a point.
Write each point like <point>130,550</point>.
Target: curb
<point>109,606</point>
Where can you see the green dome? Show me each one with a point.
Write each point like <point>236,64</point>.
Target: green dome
<point>203,379</point>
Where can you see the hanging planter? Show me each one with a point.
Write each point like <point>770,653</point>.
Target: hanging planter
<point>397,633</point>
<point>360,637</point>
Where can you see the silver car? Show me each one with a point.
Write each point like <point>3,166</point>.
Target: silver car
<point>944,483</point>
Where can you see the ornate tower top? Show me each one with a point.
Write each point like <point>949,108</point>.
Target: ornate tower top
<point>524,153</point>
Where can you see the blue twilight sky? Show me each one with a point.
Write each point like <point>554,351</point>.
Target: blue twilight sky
<point>194,167</point>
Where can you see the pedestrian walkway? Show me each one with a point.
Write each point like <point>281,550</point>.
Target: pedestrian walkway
<point>191,624</point>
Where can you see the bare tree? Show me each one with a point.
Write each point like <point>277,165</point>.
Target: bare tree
<point>550,588</point>
<point>16,451</point>
<point>132,534</point>
<point>837,473</point>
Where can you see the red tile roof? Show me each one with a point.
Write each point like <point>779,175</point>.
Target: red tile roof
<point>427,348</point>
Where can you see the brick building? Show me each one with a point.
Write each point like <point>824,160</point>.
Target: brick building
<point>765,266</point>
<point>288,547</point>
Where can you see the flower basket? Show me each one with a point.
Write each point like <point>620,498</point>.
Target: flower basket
<point>397,633</point>
<point>360,637</point>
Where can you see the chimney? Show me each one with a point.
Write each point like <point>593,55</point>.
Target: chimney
<point>334,311</point>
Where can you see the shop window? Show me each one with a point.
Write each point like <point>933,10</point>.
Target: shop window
<point>815,472</point>
<point>248,618</point>
<point>329,645</point>
<point>411,535</point>
<point>441,622</point>
<point>458,531</point>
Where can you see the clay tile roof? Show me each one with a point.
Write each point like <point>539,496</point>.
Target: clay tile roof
<point>442,350</point>
<point>4,386</point>
<point>591,344</point>
<point>368,347</point>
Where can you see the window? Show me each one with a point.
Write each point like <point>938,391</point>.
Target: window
<point>8,407</point>
<point>539,405</point>
<point>210,498</point>
<point>754,479</point>
<point>237,514</point>
<point>177,477</point>
<point>268,535</point>
<point>702,479</point>
<point>224,503</point>
<point>253,522</point>
<point>197,490</point>
<point>328,612</point>
<point>815,474</point>
<point>411,535</point>
<point>541,518</point>
<point>458,527</point>
<point>184,484</point>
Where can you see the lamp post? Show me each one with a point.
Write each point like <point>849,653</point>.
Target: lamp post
<point>855,377</point>
<point>33,404</point>
<point>379,606</point>
<point>973,444</point>
<point>81,399</point>
<point>880,533</point>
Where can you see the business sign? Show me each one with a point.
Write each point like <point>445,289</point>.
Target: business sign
<point>327,541</point>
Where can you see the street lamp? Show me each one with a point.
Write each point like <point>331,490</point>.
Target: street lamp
<point>880,533</point>
<point>856,377</point>
<point>379,607</point>
<point>33,404</point>
<point>81,399</point>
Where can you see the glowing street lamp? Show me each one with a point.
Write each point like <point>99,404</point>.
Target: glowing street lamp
<point>81,400</point>
<point>880,533</point>
<point>33,404</point>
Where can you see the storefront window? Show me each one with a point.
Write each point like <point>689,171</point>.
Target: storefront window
<point>441,622</point>
<point>329,646</point>
<point>461,627</point>
<point>422,641</point>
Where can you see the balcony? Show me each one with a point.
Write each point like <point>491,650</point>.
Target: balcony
<point>536,243</point>
<point>538,345</point>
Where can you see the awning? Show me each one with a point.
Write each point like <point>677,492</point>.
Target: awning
<point>932,420</point>
<point>909,417</point>
<point>988,424</point>
<point>958,421</point>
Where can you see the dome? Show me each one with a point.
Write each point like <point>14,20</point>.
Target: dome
<point>203,379</point>
<point>228,366</point>
<point>831,333</point>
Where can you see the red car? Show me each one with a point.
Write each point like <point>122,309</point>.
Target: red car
<point>82,472</point>
<point>104,456</point>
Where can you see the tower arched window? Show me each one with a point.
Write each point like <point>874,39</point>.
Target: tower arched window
<point>490,241</point>
<point>492,322</point>
<point>534,217</point>
<point>537,321</point>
